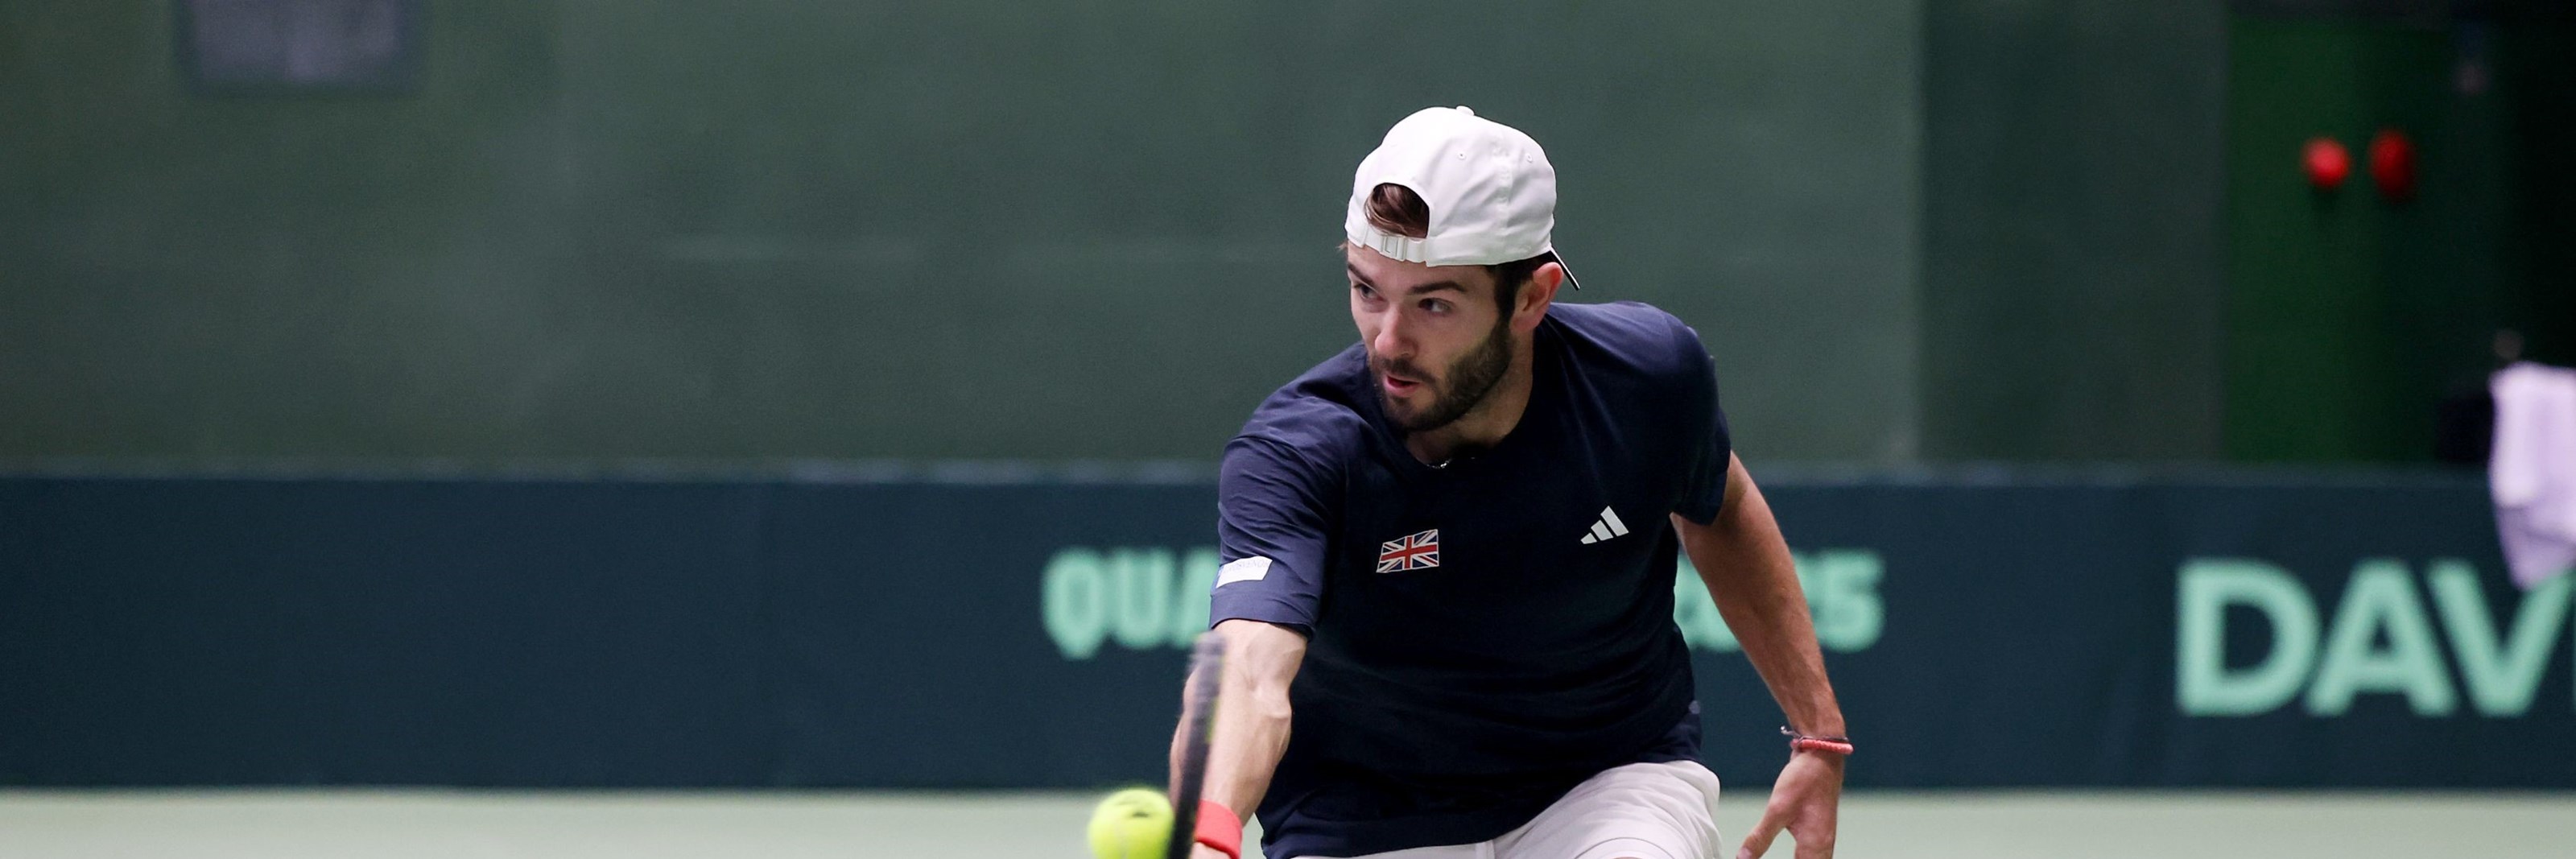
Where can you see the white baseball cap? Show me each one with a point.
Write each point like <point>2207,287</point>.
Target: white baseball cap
<point>1491,192</point>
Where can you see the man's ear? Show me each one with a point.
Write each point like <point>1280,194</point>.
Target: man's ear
<point>1531,304</point>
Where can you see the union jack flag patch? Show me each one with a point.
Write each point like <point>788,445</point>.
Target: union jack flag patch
<point>1416,552</point>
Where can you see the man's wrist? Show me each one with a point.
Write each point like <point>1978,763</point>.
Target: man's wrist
<point>1219,829</point>
<point>1833,745</point>
<point>1827,725</point>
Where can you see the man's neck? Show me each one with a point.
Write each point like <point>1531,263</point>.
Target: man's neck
<point>1485,425</point>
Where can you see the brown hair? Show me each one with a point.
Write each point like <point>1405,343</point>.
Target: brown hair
<point>1396,210</point>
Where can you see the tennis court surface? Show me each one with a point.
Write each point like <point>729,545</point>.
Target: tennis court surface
<point>285,824</point>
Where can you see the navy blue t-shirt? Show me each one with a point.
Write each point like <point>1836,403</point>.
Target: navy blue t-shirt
<point>1484,635</point>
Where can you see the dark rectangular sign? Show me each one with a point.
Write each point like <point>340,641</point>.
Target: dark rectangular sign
<point>291,46</point>
<point>1028,634</point>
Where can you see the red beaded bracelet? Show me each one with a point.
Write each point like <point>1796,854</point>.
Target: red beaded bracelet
<point>1803,743</point>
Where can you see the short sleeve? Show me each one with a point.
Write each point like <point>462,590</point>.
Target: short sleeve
<point>1708,446</point>
<point>1272,527</point>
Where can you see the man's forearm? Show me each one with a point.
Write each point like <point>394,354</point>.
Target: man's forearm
<point>1252,714</point>
<point>1748,570</point>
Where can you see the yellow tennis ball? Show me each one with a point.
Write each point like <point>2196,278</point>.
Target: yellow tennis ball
<point>1135,823</point>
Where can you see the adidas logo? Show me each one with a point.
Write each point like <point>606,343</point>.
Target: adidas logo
<point>1606,527</point>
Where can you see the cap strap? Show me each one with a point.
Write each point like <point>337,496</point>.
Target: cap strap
<point>1397,247</point>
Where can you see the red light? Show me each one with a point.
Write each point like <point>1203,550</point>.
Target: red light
<point>2392,165</point>
<point>2327,163</point>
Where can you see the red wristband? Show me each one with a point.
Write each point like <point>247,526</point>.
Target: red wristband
<point>1219,829</point>
<point>1803,743</point>
<point>1819,744</point>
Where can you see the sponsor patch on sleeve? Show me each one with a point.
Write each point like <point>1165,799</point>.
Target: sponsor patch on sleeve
<point>1250,569</point>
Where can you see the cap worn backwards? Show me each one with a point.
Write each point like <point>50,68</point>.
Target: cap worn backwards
<point>1490,189</point>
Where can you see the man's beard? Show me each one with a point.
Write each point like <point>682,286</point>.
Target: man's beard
<point>1470,379</point>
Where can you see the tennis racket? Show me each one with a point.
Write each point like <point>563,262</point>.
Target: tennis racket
<point>1198,720</point>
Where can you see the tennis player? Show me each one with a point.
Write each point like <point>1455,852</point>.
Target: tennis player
<point>1447,599</point>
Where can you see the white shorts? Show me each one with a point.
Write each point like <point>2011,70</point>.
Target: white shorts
<point>1638,811</point>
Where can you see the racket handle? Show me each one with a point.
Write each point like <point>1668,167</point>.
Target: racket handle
<point>1198,723</point>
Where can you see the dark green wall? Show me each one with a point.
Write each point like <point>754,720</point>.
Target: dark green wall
<point>193,276</point>
<point>2350,309</point>
<point>2351,315</point>
<point>2072,250</point>
<point>2540,82</point>
<point>1949,230</point>
<point>788,229</point>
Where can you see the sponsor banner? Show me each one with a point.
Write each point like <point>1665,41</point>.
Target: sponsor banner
<point>625,633</point>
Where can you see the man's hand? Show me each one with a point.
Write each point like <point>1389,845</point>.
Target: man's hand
<point>1754,580</point>
<point>1252,720</point>
<point>1802,801</point>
